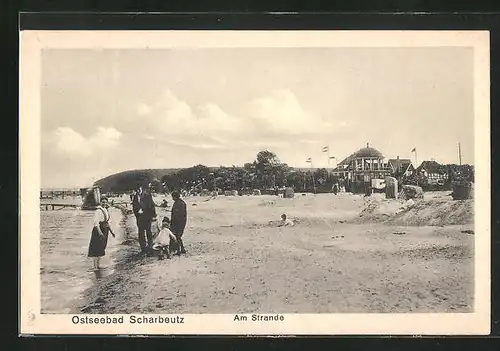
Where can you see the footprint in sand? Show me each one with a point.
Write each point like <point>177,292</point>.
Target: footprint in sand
<point>338,237</point>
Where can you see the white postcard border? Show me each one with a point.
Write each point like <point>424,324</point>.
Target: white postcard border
<point>33,322</point>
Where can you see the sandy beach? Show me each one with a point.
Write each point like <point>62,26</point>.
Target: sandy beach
<point>346,253</point>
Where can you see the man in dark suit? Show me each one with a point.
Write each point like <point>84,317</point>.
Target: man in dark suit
<point>178,220</point>
<point>144,210</point>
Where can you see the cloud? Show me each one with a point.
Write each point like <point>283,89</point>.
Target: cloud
<point>143,109</point>
<point>105,138</point>
<point>277,113</point>
<point>281,112</point>
<point>70,142</point>
<point>173,120</point>
<point>212,119</point>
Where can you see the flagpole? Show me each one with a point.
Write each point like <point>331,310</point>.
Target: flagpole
<point>328,156</point>
<point>309,160</point>
<point>459,154</point>
<point>312,175</point>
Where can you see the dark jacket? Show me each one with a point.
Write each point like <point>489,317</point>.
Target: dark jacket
<point>179,217</point>
<point>144,202</point>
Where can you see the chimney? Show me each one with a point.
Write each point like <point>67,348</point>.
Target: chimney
<point>397,157</point>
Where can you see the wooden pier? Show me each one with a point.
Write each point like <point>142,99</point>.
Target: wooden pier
<point>56,207</point>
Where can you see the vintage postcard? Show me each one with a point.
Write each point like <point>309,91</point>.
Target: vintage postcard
<point>255,182</point>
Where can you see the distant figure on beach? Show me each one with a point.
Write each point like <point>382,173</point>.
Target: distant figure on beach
<point>164,240</point>
<point>335,188</point>
<point>100,232</point>
<point>144,210</point>
<point>285,222</point>
<point>342,185</point>
<point>178,220</point>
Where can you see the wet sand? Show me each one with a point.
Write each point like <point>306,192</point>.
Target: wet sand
<point>238,262</point>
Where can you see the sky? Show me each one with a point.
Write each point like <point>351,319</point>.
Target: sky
<point>107,111</point>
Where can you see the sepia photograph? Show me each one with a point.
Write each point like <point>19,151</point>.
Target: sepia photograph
<point>191,178</point>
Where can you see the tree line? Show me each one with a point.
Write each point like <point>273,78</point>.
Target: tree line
<point>265,173</point>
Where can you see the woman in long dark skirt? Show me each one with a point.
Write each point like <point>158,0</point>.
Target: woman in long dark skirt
<point>100,232</point>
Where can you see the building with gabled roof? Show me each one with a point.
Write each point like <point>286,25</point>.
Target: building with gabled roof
<point>342,168</point>
<point>401,166</point>
<point>433,172</point>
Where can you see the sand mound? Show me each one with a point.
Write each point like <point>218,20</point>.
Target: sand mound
<point>434,212</point>
<point>437,213</point>
<point>267,203</point>
<point>379,210</point>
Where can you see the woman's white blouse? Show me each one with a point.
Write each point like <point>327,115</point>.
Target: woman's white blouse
<point>99,216</point>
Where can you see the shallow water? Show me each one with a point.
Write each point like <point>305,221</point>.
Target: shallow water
<point>65,269</point>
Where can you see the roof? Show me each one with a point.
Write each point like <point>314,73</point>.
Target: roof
<point>402,163</point>
<point>368,152</point>
<point>338,169</point>
<point>346,161</point>
<point>431,167</point>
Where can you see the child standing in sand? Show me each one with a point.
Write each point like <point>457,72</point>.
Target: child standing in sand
<point>163,238</point>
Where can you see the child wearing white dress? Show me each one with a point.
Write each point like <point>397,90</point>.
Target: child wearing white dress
<point>162,238</point>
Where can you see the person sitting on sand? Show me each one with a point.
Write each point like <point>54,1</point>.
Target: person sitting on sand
<point>164,239</point>
<point>100,232</point>
<point>285,222</point>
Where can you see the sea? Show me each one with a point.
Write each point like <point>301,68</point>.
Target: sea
<point>66,271</point>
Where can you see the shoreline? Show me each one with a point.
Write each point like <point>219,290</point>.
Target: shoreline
<point>126,252</point>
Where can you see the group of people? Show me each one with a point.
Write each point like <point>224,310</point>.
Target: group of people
<point>167,238</point>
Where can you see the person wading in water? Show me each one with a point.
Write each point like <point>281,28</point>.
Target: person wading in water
<point>144,210</point>
<point>100,232</point>
<point>178,220</point>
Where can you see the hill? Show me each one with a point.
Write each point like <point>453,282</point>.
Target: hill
<point>127,180</point>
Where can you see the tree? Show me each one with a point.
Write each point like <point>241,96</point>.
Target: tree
<point>267,157</point>
<point>172,182</point>
<point>156,186</point>
<point>269,171</point>
<point>296,180</point>
<point>321,176</point>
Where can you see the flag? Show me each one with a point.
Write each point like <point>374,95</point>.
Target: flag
<point>325,148</point>
<point>414,150</point>
<point>308,160</point>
